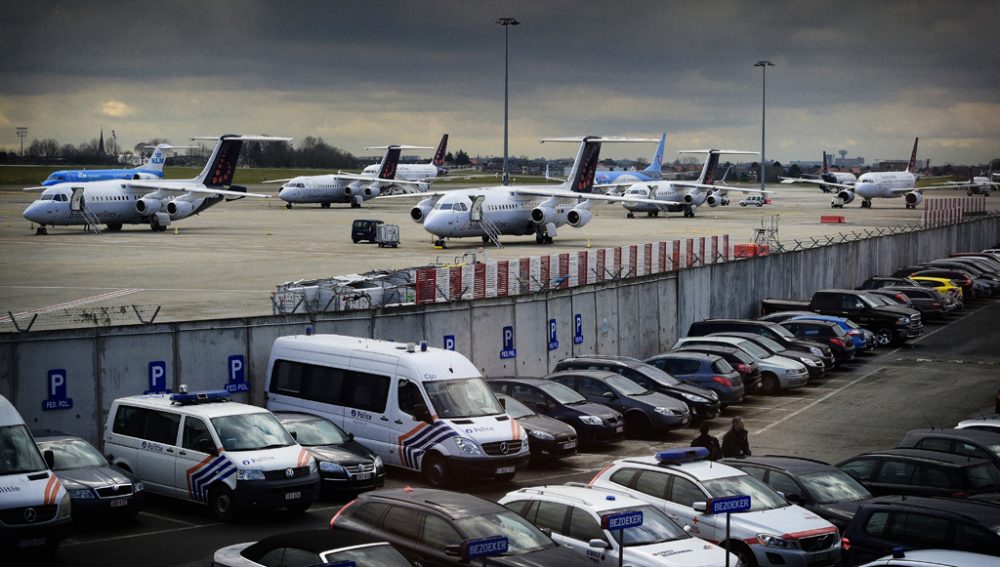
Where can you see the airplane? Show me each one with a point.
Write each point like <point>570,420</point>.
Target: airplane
<point>977,185</point>
<point>885,184</point>
<point>684,196</point>
<point>491,212</point>
<point>649,174</point>
<point>152,169</point>
<point>839,177</point>
<point>348,187</point>
<point>117,202</point>
<point>415,171</point>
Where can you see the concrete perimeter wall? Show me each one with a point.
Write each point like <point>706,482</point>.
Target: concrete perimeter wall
<point>66,380</point>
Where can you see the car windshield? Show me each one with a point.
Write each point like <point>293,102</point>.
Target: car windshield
<point>659,376</point>
<point>762,497</point>
<point>769,344</point>
<point>463,397</point>
<point>381,554</point>
<point>869,299</point>
<point>73,454</point>
<point>754,350</point>
<point>251,432</point>
<point>516,409</point>
<point>779,330</point>
<point>626,386</point>
<point>563,394</point>
<point>316,432</point>
<point>18,453</point>
<point>655,528</point>
<point>522,537</point>
<point>832,486</point>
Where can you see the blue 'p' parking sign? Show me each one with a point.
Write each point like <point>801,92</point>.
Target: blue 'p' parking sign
<point>57,391</point>
<point>507,349</point>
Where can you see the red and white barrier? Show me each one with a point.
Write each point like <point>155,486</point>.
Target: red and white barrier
<point>941,211</point>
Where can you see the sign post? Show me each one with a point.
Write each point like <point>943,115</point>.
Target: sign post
<point>484,547</point>
<point>620,521</point>
<point>728,505</point>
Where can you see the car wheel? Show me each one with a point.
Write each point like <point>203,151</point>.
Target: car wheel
<point>221,503</point>
<point>883,336</point>
<point>769,385</point>
<point>435,470</point>
<point>637,425</point>
<point>744,553</point>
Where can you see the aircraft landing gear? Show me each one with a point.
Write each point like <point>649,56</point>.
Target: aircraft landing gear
<point>288,205</point>
<point>541,238</point>
<point>41,231</point>
<point>909,206</point>
<point>439,243</point>
<point>630,215</point>
<point>866,204</point>
<point>688,212</point>
<point>114,227</point>
<point>355,205</point>
<point>653,214</point>
<point>324,205</point>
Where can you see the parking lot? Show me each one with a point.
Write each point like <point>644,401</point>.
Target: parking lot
<point>947,374</point>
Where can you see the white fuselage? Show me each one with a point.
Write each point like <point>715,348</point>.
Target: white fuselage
<point>451,216</point>
<point>883,184</point>
<point>407,171</point>
<point>110,202</point>
<point>327,189</point>
<point>981,186</point>
<point>664,191</point>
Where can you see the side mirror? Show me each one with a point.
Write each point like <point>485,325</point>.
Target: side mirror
<point>609,395</point>
<point>687,529</point>
<point>546,531</point>
<point>455,550</point>
<point>50,458</point>
<point>598,543</point>
<point>350,436</point>
<point>421,413</point>
<point>699,506</point>
<point>794,498</point>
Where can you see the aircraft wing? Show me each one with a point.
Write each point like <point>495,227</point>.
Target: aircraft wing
<point>269,181</point>
<point>412,195</point>
<point>932,187</point>
<point>373,179</point>
<point>787,180</point>
<point>709,188</point>
<point>194,189</point>
<point>589,196</point>
<point>40,188</point>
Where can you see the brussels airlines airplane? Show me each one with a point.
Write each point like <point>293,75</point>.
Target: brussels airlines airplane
<point>490,212</point>
<point>649,174</point>
<point>415,171</point>
<point>152,169</point>
<point>157,202</point>
<point>835,177</point>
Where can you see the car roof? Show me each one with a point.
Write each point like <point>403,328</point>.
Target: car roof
<point>531,381</point>
<point>926,455</point>
<point>689,354</point>
<point>207,409</point>
<point>596,374</point>
<point>626,361</point>
<point>796,465</point>
<point>817,322</point>
<point>701,470</point>
<point>979,511</point>
<point>455,505</point>
<point>595,498</point>
<point>316,541</point>
<point>53,435</point>
<point>977,435</point>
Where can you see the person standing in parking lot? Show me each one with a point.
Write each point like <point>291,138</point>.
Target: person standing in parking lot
<point>708,441</point>
<point>735,442</point>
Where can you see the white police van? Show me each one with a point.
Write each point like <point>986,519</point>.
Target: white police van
<point>201,447</point>
<point>34,507</point>
<point>682,483</point>
<point>424,409</point>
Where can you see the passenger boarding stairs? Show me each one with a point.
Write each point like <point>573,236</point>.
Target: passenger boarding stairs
<point>78,205</point>
<point>491,232</point>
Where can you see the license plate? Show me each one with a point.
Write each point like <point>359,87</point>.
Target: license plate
<point>568,445</point>
<point>293,495</point>
<point>363,476</point>
<point>31,542</point>
<point>620,429</point>
<point>822,556</point>
<point>119,503</point>
<point>505,470</point>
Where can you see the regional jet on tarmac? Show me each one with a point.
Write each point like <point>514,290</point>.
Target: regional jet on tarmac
<point>686,196</point>
<point>415,171</point>
<point>152,169</point>
<point>158,202</point>
<point>490,212</point>
<point>348,187</point>
<point>651,173</point>
<point>836,178</point>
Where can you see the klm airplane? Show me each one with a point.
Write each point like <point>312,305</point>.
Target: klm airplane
<point>651,173</point>
<point>152,169</point>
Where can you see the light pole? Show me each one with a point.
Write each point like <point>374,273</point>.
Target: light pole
<point>506,23</point>
<point>763,117</point>
<point>22,132</point>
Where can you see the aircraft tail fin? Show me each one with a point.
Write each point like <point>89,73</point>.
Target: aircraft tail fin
<point>826,167</point>
<point>913,156</point>
<point>156,160</point>
<point>711,166</point>
<point>221,166</point>
<point>442,149</point>
<point>581,176</point>
<point>389,162</point>
<point>656,166</point>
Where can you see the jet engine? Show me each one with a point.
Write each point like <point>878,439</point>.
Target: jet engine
<point>179,209</point>
<point>543,215</point>
<point>578,216</point>
<point>142,175</point>
<point>694,197</point>
<point>419,212</point>
<point>913,198</point>
<point>846,196</point>
<point>148,206</point>
<point>713,200</point>
<point>372,191</point>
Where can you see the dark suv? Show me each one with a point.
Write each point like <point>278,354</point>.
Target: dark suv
<point>975,443</point>
<point>706,370</point>
<point>703,403</point>
<point>920,472</point>
<point>882,524</point>
<point>594,423</point>
<point>430,527</point>
<point>768,329</point>
<point>646,412</point>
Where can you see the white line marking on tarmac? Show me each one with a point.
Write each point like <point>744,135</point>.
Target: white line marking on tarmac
<point>168,519</point>
<point>144,534</point>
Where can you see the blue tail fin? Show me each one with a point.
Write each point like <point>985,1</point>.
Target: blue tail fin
<point>656,166</point>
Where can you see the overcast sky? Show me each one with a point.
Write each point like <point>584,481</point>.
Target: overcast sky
<point>862,76</point>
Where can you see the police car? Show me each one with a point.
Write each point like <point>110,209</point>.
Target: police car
<point>201,447</point>
<point>578,517</point>
<point>682,483</point>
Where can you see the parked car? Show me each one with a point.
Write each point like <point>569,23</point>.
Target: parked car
<point>747,367</point>
<point>931,303</point>
<point>934,558</point>
<point>832,333</point>
<point>878,282</point>
<point>863,339</point>
<point>702,403</point>
<point>893,297</point>
<point>308,548</point>
<point>646,412</point>
<point>985,423</point>
<point>752,201</point>
<point>975,443</point>
<point>768,329</point>
<point>681,482</point>
<point>430,527</point>
<point>944,285</point>
<point>97,489</point>
<point>777,372</point>
<point>972,289</point>
<point>573,515</point>
<point>818,487</point>
<point>882,524</point>
<point>548,437</point>
<point>814,364</point>
<point>709,371</point>
<point>344,464</point>
<point>594,423</point>
<point>920,472</point>
<point>365,229</point>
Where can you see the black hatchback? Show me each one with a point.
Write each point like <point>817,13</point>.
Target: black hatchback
<point>702,402</point>
<point>646,412</point>
<point>768,329</point>
<point>434,527</point>
<point>594,423</point>
<point>549,437</point>
<point>920,472</point>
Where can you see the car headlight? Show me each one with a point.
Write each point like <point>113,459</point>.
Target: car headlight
<point>249,474</point>
<point>809,362</point>
<point>694,398</point>
<point>774,541</point>
<point>903,321</point>
<point>65,509</point>
<point>663,411</point>
<point>467,446</point>
<point>591,419</point>
<point>378,462</point>
<point>138,487</point>
<point>80,493</point>
<point>792,371</point>
<point>330,467</point>
<point>816,350</point>
<point>541,435</point>
<point>313,467</point>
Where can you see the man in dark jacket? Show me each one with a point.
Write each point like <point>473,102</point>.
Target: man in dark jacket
<point>708,441</point>
<point>735,442</point>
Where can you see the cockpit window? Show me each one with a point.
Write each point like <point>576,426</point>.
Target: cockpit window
<point>47,198</point>
<point>443,206</point>
<point>461,207</point>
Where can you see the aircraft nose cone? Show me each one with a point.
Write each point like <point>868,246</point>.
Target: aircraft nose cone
<point>34,212</point>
